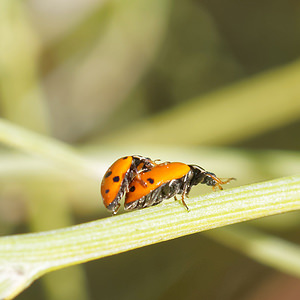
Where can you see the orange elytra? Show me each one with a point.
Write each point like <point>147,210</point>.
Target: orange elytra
<point>117,178</point>
<point>165,181</point>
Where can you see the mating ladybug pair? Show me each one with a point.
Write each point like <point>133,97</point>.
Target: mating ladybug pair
<point>147,183</point>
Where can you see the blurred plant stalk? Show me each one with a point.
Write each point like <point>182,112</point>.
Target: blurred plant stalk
<point>22,99</point>
<point>235,113</point>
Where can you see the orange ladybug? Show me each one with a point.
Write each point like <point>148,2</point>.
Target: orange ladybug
<point>165,181</point>
<point>117,178</point>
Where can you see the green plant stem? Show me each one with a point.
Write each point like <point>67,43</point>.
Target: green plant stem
<point>48,148</point>
<point>24,258</point>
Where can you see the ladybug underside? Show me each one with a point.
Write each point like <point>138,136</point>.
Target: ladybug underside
<point>115,204</point>
<point>165,191</point>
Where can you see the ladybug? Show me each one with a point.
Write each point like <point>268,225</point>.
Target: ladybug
<point>117,178</point>
<point>165,181</point>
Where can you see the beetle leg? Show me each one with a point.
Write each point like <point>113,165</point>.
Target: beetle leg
<point>155,161</point>
<point>163,163</point>
<point>219,181</point>
<point>139,179</point>
<point>223,181</point>
<point>116,209</point>
<point>184,192</point>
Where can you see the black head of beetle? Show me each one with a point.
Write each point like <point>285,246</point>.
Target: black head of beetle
<point>198,175</point>
<point>205,177</point>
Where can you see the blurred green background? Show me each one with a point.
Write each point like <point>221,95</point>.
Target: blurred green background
<point>214,83</point>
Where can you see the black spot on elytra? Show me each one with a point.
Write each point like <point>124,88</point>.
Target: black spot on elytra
<point>151,180</point>
<point>106,191</point>
<point>108,174</point>
<point>125,157</point>
<point>132,189</point>
<point>116,179</point>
